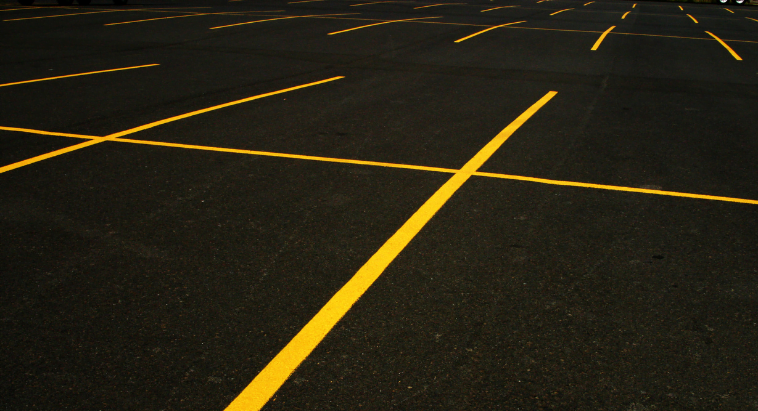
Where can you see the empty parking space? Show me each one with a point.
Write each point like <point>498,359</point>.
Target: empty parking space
<point>378,204</point>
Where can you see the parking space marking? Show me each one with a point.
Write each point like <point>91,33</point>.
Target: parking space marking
<point>736,57</point>
<point>729,11</point>
<point>388,165</point>
<point>624,16</point>
<point>634,5</point>
<point>559,11</point>
<point>379,24</point>
<point>602,37</point>
<point>227,13</point>
<point>157,123</point>
<point>488,29</point>
<point>435,5</point>
<point>76,75</point>
<point>268,381</point>
<point>680,8</point>
<point>366,4</point>
<point>21,8</point>
<point>501,7</point>
<point>587,4</point>
<point>750,18</point>
<point>278,18</point>
<point>63,15</point>
<point>693,19</point>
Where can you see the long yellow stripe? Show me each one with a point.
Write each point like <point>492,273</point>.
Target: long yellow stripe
<point>76,75</point>
<point>617,188</point>
<point>440,4</point>
<point>588,3</point>
<point>62,15</point>
<point>279,18</point>
<point>560,11</point>
<point>157,18</point>
<point>602,37</point>
<point>750,18</point>
<point>693,19</point>
<point>725,46</point>
<point>96,140</point>
<point>268,381</point>
<point>389,165</point>
<point>205,110</point>
<point>486,30</point>
<point>378,24</point>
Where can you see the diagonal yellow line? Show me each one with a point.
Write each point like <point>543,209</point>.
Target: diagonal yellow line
<point>602,37</point>
<point>96,140</point>
<point>62,15</point>
<point>373,2</point>
<point>486,30</point>
<point>501,7</point>
<point>389,165</point>
<point>440,4</point>
<point>268,381</point>
<point>560,11</point>
<point>278,18</point>
<point>379,24</point>
<point>157,18</point>
<point>736,57</point>
<point>77,75</point>
<point>750,18</point>
<point>693,19</point>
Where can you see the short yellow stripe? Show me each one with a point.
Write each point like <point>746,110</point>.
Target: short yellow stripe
<point>378,24</point>
<point>303,1</point>
<point>77,75</point>
<point>624,16</point>
<point>586,4</point>
<point>495,8</point>
<point>268,381</point>
<point>680,8</point>
<point>486,30</point>
<point>725,46</point>
<point>62,15</point>
<point>47,133</point>
<point>20,8</point>
<point>693,19</point>
<point>729,11</point>
<point>750,18</point>
<point>256,21</point>
<point>602,37</point>
<point>560,11</point>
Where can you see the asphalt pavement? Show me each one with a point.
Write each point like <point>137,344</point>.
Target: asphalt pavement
<point>410,205</point>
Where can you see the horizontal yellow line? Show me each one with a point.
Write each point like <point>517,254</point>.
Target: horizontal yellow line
<point>157,18</point>
<point>486,30</point>
<point>374,2</point>
<point>62,15</point>
<point>588,3</point>
<point>680,8</point>
<point>279,18</point>
<point>693,19</point>
<point>440,4</point>
<point>76,75</point>
<point>501,7</point>
<point>20,8</point>
<point>729,11</point>
<point>303,1</point>
<point>560,11</point>
<point>750,18</point>
<point>388,165</point>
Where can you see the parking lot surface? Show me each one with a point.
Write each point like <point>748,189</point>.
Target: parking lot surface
<point>342,204</point>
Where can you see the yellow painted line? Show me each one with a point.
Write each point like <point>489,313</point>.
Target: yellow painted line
<point>268,381</point>
<point>495,8</point>
<point>624,16</point>
<point>560,11</point>
<point>618,188</point>
<point>542,1</point>
<point>47,133</point>
<point>388,165</point>
<point>157,18</point>
<point>256,21</point>
<point>602,37</point>
<point>680,8</point>
<point>693,19</point>
<point>366,4</point>
<point>97,140</point>
<point>77,75</point>
<point>278,18</point>
<point>378,24</point>
<point>729,11</point>
<point>487,29</point>
<point>750,18</point>
<point>22,8</point>
<point>62,15</point>
<point>303,1</point>
<point>435,5</point>
<point>725,46</point>
<point>634,5</point>
<point>587,4</point>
